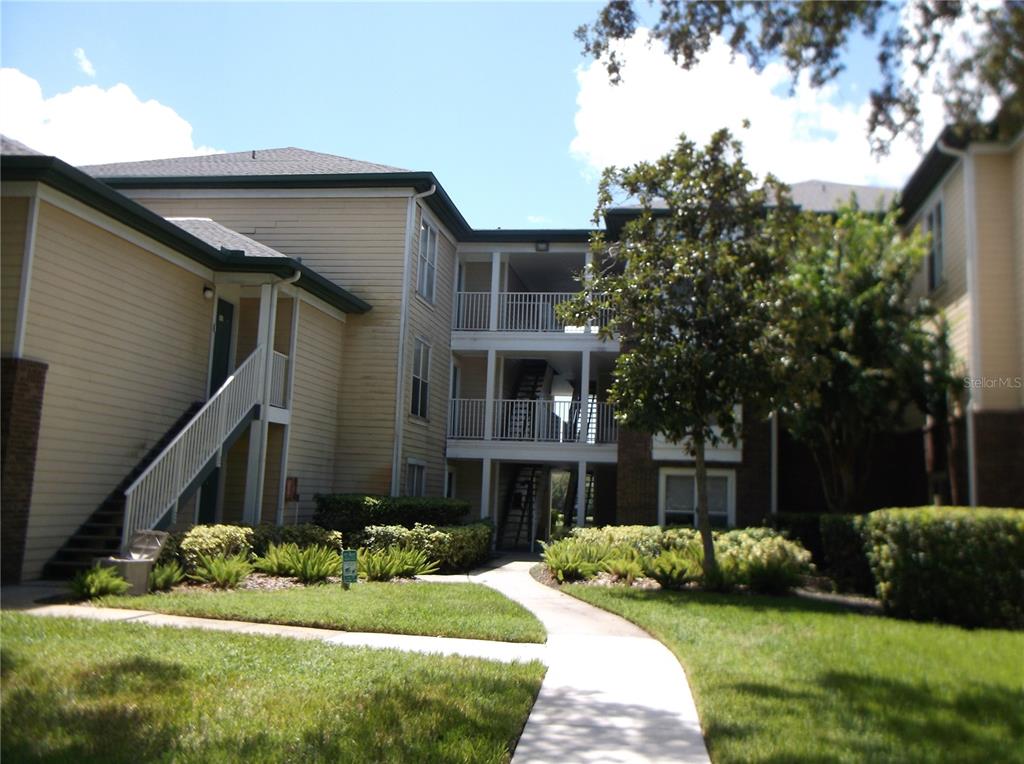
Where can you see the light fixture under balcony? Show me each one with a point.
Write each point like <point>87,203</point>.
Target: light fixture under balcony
<point>541,246</point>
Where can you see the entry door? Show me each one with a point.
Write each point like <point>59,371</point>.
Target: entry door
<point>221,363</point>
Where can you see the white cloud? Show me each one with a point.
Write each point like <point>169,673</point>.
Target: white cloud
<point>537,219</point>
<point>800,136</point>
<point>91,125</point>
<point>84,63</point>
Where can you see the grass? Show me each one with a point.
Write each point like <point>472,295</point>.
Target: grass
<point>471,611</point>
<point>789,680</point>
<point>83,691</point>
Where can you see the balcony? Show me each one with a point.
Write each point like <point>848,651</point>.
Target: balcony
<point>534,421</point>
<point>516,312</point>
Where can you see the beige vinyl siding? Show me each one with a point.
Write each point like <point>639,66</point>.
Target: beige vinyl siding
<point>126,335</point>
<point>476,277</point>
<point>473,376</point>
<point>272,474</point>
<point>236,463</point>
<point>999,300</point>
<point>313,440</point>
<point>468,479</point>
<point>13,222</point>
<point>359,244</point>
<point>425,439</point>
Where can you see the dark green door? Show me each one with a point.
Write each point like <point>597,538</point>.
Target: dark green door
<point>220,367</point>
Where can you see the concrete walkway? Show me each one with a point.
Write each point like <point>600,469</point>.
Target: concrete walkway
<point>612,692</point>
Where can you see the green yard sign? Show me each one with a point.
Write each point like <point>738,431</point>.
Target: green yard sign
<point>349,573</point>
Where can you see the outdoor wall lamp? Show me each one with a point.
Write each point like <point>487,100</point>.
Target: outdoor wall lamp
<point>208,292</point>
<point>541,246</point>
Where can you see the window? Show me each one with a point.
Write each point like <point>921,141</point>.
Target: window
<point>933,225</point>
<point>428,261</point>
<point>420,379</point>
<point>416,479</point>
<point>677,497</point>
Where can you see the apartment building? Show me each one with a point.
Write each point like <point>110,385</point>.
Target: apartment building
<point>256,272</point>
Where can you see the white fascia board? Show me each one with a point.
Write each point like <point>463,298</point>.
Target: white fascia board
<point>522,247</point>
<point>85,212</point>
<point>265,193</point>
<point>528,341</point>
<point>530,451</point>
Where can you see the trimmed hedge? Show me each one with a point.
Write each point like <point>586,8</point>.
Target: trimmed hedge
<point>351,513</point>
<point>844,553</point>
<point>455,549</point>
<point>212,541</point>
<point>804,527</point>
<point>955,564</point>
<point>303,535</point>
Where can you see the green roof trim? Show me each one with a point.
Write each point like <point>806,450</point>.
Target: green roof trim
<point>101,197</point>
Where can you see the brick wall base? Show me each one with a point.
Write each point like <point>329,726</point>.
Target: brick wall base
<point>21,408</point>
<point>999,458</point>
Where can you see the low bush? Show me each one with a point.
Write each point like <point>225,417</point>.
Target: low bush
<point>351,513</point>
<point>215,541</point>
<point>277,560</point>
<point>170,551</point>
<point>315,564</point>
<point>626,568</point>
<point>645,539</point>
<point>302,535</point>
<point>761,559</point>
<point>576,559</point>
<point>221,571</point>
<point>166,576</point>
<point>844,555</point>
<point>804,527</point>
<point>675,568</point>
<point>955,564</point>
<point>98,581</point>
<point>455,549</point>
<point>393,562</point>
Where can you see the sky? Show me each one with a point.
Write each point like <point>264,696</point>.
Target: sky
<point>495,99</point>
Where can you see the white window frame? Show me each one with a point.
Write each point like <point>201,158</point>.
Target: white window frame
<point>730,491</point>
<point>449,482</point>
<point>420,374</point>
<point>426,276</point>
<point>936,260</point>
<point>411,467</point>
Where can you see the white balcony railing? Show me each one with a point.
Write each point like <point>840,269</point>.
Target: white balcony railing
<point>542,421</point>
<point>531,311</point>
<point>466,418</point>
<point>158,488</point>
<point>279,380</point>
<point>473,311</point>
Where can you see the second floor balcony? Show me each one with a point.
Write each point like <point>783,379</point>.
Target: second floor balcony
<point>517,312</point>
<point>535,421</point>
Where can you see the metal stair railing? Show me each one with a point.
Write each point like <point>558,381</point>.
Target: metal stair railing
<point>158,488</point>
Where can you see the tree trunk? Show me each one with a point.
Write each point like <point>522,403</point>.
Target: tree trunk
<point>703,519</point>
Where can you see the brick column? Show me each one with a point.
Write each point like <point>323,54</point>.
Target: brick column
<point>21,409</point>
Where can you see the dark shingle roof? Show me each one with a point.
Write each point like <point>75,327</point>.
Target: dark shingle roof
<point>287,161</point>
<point>218,236</point>
<point>825,196</point>
<point>11,147</point>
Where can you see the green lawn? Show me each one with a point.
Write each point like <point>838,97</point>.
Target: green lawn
<point>84,691</point>
<point>443,610</point>
<point>788,680</point>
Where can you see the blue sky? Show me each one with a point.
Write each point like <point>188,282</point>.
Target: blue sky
<point>494,98</point>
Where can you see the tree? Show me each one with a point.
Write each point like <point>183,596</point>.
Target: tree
<point>690,285</point>
<point>861,351</point>
<point>812,37</point>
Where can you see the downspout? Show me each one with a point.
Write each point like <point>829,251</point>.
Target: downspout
<point>970,226</point>
<point>403,322</point>
<point>268,374</point>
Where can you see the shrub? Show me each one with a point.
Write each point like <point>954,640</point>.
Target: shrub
<point>844,553</point>
<point>165,576</point>
<point>278,560</point>
<point>222,571</point>
<point>455,549</point>
<point>98,582</point>
<point>215,541</point>
<point>302,535</point>
<point>351,513</point>
<point>761,559</point>
<point>679,538</point>
<point>954,564</point>
<point>804,527</point>
<point>393,562</point>
<point>625,569</point>
<point>675,568</point>
<point>316,564</point>
<point>575,559</point>
<point>644,539</point>
<point>170,550</point>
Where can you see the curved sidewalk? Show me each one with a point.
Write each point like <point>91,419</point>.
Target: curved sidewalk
<point>612,692</point>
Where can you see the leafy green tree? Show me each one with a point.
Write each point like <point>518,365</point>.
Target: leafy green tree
<point>691,285</point>
<point>862,352</point>
<point>813,36</point>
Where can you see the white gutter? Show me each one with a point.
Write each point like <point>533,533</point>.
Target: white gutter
<point>974,360</point>
<point>396,455</point>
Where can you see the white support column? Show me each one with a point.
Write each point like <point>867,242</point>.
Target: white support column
<point>485,489</point>
<point>581,494</point>
<point>584,396</point>
<point>495,289</point>
<point>489,395</point>
<point>258,431</point>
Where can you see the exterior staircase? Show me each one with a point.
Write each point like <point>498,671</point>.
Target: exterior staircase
<point>529,386</point>
<point>516,531</point>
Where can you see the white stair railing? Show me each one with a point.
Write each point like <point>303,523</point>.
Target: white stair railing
<point>158,488</point>
<point>279,380</point>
